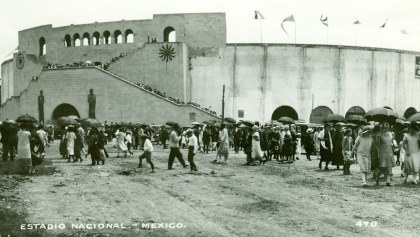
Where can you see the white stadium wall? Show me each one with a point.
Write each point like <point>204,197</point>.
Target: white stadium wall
<point>261,78</point>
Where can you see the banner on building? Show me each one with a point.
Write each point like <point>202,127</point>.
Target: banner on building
<point>417,67</point>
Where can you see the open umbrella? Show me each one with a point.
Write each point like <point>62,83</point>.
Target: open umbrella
<point>91,123</point>
<point>26,118</point>
<point>207,122</point>
<point>381,115</point>
<point>356,119</point>
<point>67,121</point>
<point>230,120</point>
<point>334,118</point>
<point>248,123</point>
<point>286,120</point>
<point>73,117</point>
<point>195,123</point>
<point>10,122</point>
<point>414,117</point>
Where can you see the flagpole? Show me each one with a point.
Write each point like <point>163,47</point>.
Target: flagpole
<point>295,32</point>
<point>327,34</point>
<point>260,31</point>
<point>356,34</point>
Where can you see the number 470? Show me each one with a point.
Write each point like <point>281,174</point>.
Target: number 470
<point>367,223</point>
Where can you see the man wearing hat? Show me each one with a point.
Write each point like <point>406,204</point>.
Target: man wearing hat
<point>275,143</point>
<point>174,146</point>
<point>326,146</point>
<point>147,154</point>
<point>192,148</point>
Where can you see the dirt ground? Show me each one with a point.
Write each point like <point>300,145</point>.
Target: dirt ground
<point>220,200</point>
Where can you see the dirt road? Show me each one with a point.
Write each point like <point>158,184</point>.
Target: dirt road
<point>233,200</point>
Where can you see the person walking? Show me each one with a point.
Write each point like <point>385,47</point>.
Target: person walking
<point>383,143</point>
<point>192,149</point>
<point>121,146</point>
<point>147,154</point>
<point>308,143</point>
<point>411,142</point>
<point>237,136</point>
<point>223,149</point>
<point>347,145</point>
<point>337,156</point>
<point>326,146</point>
<point>206,139</point>
<point>24,158</point>
<point>362,150</point>
<point>70,138</point>
<point>257,153</point>
<point>174,147</point>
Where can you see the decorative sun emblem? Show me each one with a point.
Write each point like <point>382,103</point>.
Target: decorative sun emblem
<point>167,53</point>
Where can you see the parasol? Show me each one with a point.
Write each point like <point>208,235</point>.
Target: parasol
<point>334,118</point>
<point>414,117</point>
<point>286,120</point>
<point>356,119</point>
<point>26,118</point>
<point>230,120</point>
<point>91,122</point>
<point>381,115</point>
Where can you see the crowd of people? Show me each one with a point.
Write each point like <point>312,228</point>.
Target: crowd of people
<point>376,148</point>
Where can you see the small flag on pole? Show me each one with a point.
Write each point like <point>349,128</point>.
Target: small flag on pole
<point>383,25</point>
<point>357,22</point>
<point>258,15</point>
<point>324,20</point>
<point>289,18</point>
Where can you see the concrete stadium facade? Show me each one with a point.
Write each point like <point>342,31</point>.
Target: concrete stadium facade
<point>186,57</point>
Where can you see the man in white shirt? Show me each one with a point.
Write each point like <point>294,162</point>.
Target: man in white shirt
<point>147,154</point>
<point>174,146</point>
<point>192,148</point>
<point>43,139</point>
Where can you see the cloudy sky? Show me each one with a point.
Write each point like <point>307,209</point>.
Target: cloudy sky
<point>402,15</point>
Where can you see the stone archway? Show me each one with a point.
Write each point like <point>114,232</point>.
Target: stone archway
<point>355,110</point>
<point>284,111</point>
<point>319,113</point>
<point>64,110</point>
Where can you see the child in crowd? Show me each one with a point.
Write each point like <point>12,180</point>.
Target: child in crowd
<point>347,151</point>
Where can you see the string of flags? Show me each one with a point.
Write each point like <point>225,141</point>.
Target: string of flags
<point>323,19</point>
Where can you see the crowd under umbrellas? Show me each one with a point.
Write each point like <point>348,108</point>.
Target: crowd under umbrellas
<point>377,141</point>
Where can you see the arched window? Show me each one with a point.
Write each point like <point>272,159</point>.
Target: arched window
<point>118,37</point>
<point>96,37</point>
<point>355,110</point>
<point>107,37</point>
<point>169,34</point>
<point>86,39</point>
<point>67,41</point>
<point>319,113</point>
<point>284,111</point>
<point>129,36</point>
<point>76,39</point>
<point>410,111</point>
<point>42,47</point>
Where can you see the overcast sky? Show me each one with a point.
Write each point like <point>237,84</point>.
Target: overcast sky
<point>402,15</point>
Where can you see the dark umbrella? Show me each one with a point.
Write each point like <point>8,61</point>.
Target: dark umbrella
<point>286,120</point>
<point>26,118</point>
<point>73,117</point>
<point>170,123</point>
<point>230,120</point>
<point>91,122</point>
<point>381,115</point>
<point>68,121</point>
<point>334,118</point>
<point>356,119</point>
<point>208,122</point>
<point>248,123</point>
<point>414,117</point>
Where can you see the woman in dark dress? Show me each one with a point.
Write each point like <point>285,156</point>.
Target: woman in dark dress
<point>337,156</point>
<point>308,143</point>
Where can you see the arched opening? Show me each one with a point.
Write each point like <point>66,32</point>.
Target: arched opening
<point>319,113</point>
<point>129,36</point>
<point>355,110</point>
<point>76,38</point>
<point>96,37</point>
<point>169,34</point>
<point>86,39</point>
<point>42,47</point>
<point>284,111</point>
<point>64,110</point>
<point>67,41</point>
<point>107,36</point>
<point>118,37</point>
<point>410,111</point>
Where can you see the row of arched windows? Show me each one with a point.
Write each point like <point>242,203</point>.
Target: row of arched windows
<point>96,39</point>
<point>169,35</point>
